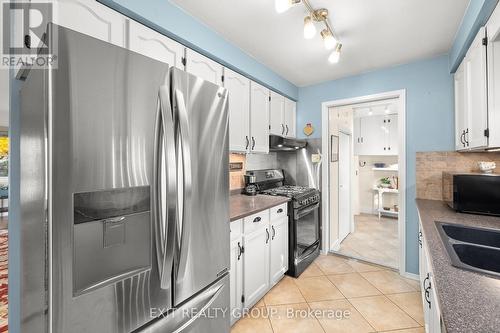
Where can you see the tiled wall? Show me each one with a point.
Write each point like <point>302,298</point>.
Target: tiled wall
<point>430,167</point>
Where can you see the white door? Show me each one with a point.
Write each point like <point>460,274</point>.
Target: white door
<point>256,265</point>
<point>203,67</point>
<point>236,278</point>
<point>344,185</point>
<point>259,118</point>
<point>477,112</point>
<point>238,87</point>
<point>460,107</point>
<point>91,18</point>
<point>289,116</point>
<point>279,249</point>
<point>144,40</point>
<point>276,114</point>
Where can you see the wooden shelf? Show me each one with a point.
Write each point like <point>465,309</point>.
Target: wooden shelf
<point>389,212</point>
<point>385,169</point>
<point>386,190</point>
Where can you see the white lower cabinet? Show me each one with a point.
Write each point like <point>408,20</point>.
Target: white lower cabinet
<point>259,257</point>
<point>236,270</point>
<point>432,314</point>
<point>279,249</point>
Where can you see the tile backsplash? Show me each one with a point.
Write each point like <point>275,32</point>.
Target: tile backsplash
<point>250,162</point>
<point>430,167</point>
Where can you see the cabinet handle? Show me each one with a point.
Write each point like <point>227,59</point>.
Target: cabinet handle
<point>286,129</point>
<point>420,238</point>
<point>384,148</point>
<point>462,138</point>
<point>253,143</point>
<point>427,290</point>
<point>257,219</point>
<point>267,238</point>
<point>279,210</point>
<point>466,137</point>
<point>388,148</point>
<point>248,142</point>
<point>361,139</point>
<point>282,129</point>
<point>358,140</point>
<point>240,250</point>
<point>274,232</point>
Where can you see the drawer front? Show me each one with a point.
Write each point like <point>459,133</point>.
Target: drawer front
<point>236,229</point>
<point>256,221</point>
<point>278,211</point>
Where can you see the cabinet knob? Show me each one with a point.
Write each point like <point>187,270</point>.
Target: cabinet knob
<point>279,210</point>
<point>257,219</point>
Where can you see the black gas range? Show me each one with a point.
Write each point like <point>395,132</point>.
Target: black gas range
<point>303,216</point>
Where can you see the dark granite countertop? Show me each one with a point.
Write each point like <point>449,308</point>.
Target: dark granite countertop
<point>469,301</point>
<point>241,205</point>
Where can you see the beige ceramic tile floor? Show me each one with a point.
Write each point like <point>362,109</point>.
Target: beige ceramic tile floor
<point>363,297</point>
<point>373,240</point>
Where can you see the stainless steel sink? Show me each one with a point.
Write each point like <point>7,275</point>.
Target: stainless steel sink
<point>475,249</point>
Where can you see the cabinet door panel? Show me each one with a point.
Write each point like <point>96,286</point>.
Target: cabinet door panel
<point>373,135</point>
<point>203,67</point>
<point>236,279</point>
<point>493,57</point>
<point>279,249</point>
<point>238,87</point>
<point>144,40</point>
<point>477,113</point>
<point>276,114</point>
<point>290,118</point>
<point>259,118</point>
<point>460,107</point>
<point>256,265</point>
<point>392,135</point>
<point>91,18</point>
<point>358,147</point>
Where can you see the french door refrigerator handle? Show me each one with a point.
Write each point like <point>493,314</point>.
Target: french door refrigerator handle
<point>164,230</point>
<point>184,223</point>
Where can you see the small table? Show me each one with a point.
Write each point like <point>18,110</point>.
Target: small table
<point>380,191</point>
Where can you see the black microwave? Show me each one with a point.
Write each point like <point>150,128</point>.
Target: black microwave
<point>472,192</point>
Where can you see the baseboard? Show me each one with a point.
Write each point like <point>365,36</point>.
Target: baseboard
<point>411,276</point>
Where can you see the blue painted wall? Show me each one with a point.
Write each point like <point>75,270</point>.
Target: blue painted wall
<point>429,117</point>
<point>166,17</point>
<point>475,17</point>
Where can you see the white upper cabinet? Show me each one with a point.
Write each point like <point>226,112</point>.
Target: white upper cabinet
<point>238,87</point>
<point>282,116</point>
<point>148,42</point>
<point>259,118</point>
<point>276,114</point>
<point>376,135</point>
<point>91,18</point>
<point>460,108</point>
<point>203,67</point>
<point>477,114</point>
<point>493,55</point>
<point>289,118</point>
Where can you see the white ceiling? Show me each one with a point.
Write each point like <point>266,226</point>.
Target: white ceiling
<point>374,33</point>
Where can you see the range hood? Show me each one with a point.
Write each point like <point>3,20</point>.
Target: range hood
<point>278,143</point>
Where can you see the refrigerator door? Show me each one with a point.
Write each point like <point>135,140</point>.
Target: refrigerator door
<point>107,127</point>
<point>202,246</point>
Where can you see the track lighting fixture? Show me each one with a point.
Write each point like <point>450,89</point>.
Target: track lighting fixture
<point>330,40</point>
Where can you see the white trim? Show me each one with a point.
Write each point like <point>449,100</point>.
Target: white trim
<point>401,96</point>
<point>411,276</point>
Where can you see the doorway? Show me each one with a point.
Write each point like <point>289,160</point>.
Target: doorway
<point>365,207</point>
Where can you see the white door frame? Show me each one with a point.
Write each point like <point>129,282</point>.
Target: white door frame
<point>325,214</point>
<point>351,216</point>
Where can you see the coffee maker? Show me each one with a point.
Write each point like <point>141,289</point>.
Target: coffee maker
<point>250,186</point>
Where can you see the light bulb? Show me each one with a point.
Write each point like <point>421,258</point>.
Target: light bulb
<point>335,56</point>
<point>328,39</point>
<point>282,6</point>
<point>309,28</point>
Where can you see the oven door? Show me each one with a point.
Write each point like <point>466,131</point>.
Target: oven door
<point>306,222</point>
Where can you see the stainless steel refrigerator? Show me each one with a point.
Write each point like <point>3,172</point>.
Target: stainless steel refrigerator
<point>124,194</point>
